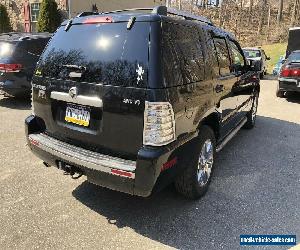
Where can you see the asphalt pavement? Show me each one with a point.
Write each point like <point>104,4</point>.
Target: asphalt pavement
<point>254,190</point>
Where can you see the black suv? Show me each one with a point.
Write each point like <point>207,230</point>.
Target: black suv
<point>19,53</point>
<point>137,100</point>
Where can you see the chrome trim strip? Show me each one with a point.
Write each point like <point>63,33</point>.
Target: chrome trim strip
<point>231,135</point>
<point>80,99</point>
<point>82,157</point>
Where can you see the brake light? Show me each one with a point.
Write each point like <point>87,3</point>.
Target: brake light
<point>10,67</point>
<point>290,72</point>
<point>159,124</point>
<point>100,19</point>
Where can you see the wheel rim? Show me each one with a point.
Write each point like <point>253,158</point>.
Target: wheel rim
<point>206,160</point>
<point>254,108</point>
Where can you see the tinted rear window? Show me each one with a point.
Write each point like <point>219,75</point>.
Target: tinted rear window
<point>294,57</point>
<point>6,51</point>
<point>109,54</point>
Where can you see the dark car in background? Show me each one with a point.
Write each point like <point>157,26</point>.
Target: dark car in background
<point>19,53</point>
<point>147,100</point>
<point>289,78</point>
<point>258,56</point>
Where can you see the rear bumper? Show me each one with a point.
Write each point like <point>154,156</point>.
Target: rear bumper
<point>133,177</point>
<point>15,85</point>
<point>289,84</point>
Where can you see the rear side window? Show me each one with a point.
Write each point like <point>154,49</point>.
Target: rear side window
<point>6,51</point>
<point>183,59</point>
<point>105,53</point>
<point>223,56</point>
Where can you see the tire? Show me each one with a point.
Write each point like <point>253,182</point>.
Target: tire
<point>261,75</point>
<point>251,116</point>
<point>194,181</point>
<point>280,93</point>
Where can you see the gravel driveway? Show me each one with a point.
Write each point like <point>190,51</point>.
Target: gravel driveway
<point>255,190</point>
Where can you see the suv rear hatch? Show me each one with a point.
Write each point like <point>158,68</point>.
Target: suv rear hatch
<point>91,82</point>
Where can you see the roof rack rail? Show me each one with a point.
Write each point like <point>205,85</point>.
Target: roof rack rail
<point>87,13</point>
<point>127,10</point>
<point>164,11</point>
<point>188,16</point>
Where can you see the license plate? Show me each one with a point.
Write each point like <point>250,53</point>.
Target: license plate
<point>298,84</point>
<point>78,115</point>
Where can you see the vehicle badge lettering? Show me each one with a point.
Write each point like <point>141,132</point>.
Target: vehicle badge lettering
<point>73,92</point>
<point>140,71</point>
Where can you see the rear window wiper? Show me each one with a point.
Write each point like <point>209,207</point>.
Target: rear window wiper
<point>292,62</point>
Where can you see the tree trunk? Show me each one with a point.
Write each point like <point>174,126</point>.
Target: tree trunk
<point>180,5</point>
<point>280,9</point>
<point>295,12</point>
<point>269,23</point>
<point>262,15</point>
<point>250,10</point>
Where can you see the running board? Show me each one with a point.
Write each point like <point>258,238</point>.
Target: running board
<point>231,135</point>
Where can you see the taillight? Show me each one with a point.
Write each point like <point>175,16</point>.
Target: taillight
<point>289,72</point>
<point>10,67</point>
<point>159,124</point>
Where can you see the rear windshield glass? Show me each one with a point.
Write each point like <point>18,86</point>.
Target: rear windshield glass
<point>252,53</point>
<point>294,57</point>
<point>104,53</point>
<point>6,51</point>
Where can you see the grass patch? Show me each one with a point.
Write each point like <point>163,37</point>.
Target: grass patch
<point>274,51</point>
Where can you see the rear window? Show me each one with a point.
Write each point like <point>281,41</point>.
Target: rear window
<point>6,51</point>
<point>102,53</point>
<point>252,53</point>
<point>294,57</point>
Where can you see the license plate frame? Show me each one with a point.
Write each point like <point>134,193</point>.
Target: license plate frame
<point>78,114</point>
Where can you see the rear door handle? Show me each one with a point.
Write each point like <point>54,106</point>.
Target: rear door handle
<point>219,88</point>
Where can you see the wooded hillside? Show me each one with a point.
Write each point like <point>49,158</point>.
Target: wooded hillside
<point>254,22</point>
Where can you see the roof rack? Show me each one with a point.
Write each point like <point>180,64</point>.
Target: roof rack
<point>164,11</point>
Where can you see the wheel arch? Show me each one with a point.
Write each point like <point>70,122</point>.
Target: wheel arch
<point>213,121</point>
